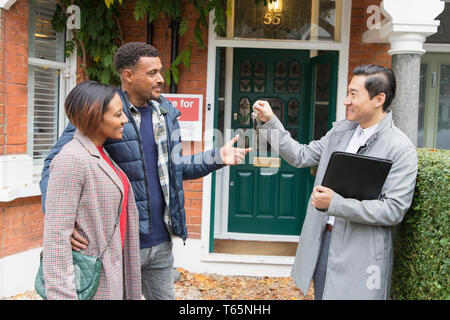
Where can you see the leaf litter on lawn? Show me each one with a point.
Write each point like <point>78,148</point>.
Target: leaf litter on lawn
<point>203,286</point>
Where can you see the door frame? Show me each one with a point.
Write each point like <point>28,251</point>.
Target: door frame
<point>215,211</point>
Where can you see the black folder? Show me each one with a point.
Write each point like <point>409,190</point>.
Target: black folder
<point>356,176</point>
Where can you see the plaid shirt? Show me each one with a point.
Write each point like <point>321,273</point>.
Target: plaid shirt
<point>160,133</point>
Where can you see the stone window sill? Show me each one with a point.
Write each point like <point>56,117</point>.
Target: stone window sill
<point>8,194</point>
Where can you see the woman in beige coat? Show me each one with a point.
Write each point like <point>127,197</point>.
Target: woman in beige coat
<point>87,192</point>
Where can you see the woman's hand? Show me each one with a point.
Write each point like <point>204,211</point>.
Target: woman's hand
<point>78,242</point>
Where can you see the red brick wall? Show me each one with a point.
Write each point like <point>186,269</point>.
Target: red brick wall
<point>21,225</point>
<point>13,78</point>
<point>364,53</point>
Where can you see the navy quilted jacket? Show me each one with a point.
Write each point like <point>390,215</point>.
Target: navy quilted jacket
<point>128,154</point>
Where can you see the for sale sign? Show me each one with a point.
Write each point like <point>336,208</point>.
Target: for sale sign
<point>190,106</point>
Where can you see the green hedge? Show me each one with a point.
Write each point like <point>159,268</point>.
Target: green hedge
<point>421,247</point>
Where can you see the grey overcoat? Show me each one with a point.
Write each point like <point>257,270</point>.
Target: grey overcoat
<point>361,249</point>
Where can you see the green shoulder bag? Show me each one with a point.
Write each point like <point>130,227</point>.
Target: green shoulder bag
<point>87,273</point>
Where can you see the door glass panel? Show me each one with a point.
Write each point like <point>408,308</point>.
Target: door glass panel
<point>260,69</point>
<point>277,107</point>
<point>244,112</point>
<point>260,85</point>
<point>245,85</point>
<point>286,19</point>
<point>422,95</point>
<point>294,69</point>
<point>246,68</point>
<point>321,99</point>
<point>280,86</point>
<point>443,127</point>
<point>280,69</point>
<point>293,113</point>
<point>294,86</point>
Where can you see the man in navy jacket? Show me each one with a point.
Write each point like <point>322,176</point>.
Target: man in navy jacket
<point>151,156</point>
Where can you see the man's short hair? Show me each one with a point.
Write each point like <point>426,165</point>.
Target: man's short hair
<point>86,104</point>
<point>128,55</point>
<point>379,79</point>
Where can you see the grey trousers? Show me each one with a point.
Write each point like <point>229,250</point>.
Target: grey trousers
<point>321,267</point>
<point>157,272</point>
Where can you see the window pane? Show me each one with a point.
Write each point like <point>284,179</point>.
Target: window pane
<point>293,19</point>
<point>47,43</point>
<point>422,94</point>
<point>45,110</point>
<point>443,128</point>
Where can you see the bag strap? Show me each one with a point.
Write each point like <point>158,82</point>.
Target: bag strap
<point>118,216</point>
<point>110,238</point>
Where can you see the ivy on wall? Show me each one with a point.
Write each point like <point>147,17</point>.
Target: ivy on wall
<point>97,39</point>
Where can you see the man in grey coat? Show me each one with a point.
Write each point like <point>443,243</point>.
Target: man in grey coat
<point>348,247</point>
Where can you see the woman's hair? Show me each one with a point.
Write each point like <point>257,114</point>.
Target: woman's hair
<point>86,104</point>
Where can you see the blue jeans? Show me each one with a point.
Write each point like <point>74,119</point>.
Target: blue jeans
<point>157,272</point>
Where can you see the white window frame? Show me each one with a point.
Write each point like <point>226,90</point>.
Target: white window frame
<point>67,80</point>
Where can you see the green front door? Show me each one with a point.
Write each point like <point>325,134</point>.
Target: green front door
<point>268,200</point>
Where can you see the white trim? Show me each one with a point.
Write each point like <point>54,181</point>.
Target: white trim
<point>249,259</point>
<point>437,47</point>
<point>223,183</point>
<point>278,44</point>
<point>255,237</point>
<point>16,177</point>
<point>343,59</point>
<point>222,176</point>
<point>6,4</point>
<point>8,194</point>
<point>208,139</point>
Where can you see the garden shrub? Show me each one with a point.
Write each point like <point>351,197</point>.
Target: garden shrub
<point>421,246</point>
